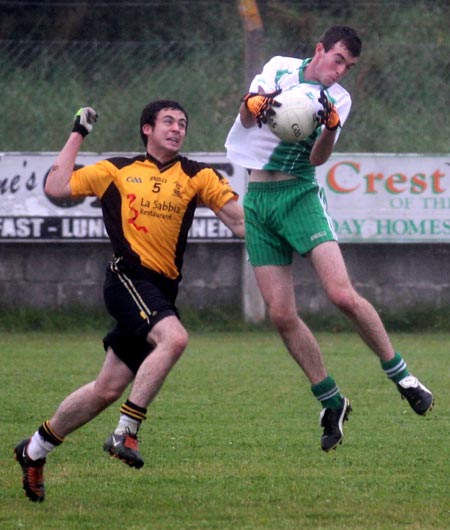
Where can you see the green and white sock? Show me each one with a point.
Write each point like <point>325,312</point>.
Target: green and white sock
<point>327,392</point>
<point>396,368</point>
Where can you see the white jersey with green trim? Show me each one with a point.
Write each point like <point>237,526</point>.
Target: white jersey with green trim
<point>259,148</point>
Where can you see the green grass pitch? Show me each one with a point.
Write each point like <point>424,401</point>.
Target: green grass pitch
<point>232,442</point>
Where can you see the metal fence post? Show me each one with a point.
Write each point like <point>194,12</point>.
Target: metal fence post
<point>252,302</point>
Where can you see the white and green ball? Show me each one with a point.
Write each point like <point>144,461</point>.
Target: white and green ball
<point>295,119</point>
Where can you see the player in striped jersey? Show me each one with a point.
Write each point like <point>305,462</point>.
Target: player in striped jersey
<point>148,205</point>
<point>286,212</point>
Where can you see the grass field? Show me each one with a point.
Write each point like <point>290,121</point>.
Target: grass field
<point>232,441</point>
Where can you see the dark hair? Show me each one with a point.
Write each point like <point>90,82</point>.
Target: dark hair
<point>348,36</point>
<point>151,110</point>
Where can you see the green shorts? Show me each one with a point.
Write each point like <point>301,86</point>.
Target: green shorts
<point>283,217</point>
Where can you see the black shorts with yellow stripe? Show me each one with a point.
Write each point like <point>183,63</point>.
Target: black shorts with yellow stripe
<point>137,299</point>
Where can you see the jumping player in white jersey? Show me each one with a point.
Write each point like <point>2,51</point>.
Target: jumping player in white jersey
<point>285,212</point>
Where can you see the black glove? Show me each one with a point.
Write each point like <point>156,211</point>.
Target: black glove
<point>329,115</point>
<point>84,121</point>
<point>259,104</point>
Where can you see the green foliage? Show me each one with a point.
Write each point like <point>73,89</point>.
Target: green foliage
<point>217,318</point>
<point>25,319</point>
<point>110,20</point>
<point>232,440</point>
<point>400,82</point>
<point>105,56</point>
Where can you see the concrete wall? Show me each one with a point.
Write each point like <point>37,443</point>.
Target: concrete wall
<point>60,274</point>
<point>394,277</point>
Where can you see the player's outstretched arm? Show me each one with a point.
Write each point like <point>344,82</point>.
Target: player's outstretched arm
<point>57,183</point>
<point>232,215</point>
<point>322,148</point>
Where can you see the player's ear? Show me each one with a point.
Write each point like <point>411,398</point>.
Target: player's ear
<point>320,48</point>
<point>146,128</point>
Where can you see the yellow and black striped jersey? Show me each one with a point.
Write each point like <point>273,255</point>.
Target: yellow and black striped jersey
<point>148,207</point>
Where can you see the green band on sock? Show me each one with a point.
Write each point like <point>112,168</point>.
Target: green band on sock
<point>395,368</point>
<point>327,392</point>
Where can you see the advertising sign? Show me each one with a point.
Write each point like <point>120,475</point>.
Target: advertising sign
<point>389,198</point>
<point>371,198</point>
<point>28,214</point>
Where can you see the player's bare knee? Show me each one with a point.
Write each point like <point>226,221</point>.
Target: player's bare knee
<point>107,394</point>
<point>346,300</point>
<point>178,342</point>
<point>282,320</point>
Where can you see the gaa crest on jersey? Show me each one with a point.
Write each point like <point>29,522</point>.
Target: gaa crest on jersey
<point>177,190</point>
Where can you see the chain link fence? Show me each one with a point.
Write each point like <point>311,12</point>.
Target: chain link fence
<point>44,83</point>
<point>399,88</point>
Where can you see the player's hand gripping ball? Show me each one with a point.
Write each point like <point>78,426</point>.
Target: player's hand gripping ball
<point>329,115</point>
<point>259,104</point>
<point>84,121</point>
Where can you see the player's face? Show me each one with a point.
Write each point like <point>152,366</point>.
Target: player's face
<point>332,65</point>
<point>166,137</point>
